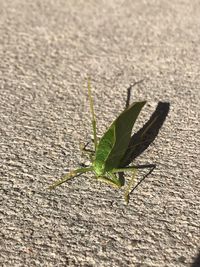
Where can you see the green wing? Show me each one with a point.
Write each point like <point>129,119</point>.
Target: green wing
<point>115,141</point>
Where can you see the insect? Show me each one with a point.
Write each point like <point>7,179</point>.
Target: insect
<point>109,151</point>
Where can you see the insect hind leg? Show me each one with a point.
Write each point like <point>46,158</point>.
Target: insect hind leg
<point>130,185</point>
<point>70,175</point>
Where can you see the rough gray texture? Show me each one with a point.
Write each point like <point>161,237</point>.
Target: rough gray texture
<point>47,48</point>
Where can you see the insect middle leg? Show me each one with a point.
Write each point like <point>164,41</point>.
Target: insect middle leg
<point>113,182</point>
<point>86,151</point>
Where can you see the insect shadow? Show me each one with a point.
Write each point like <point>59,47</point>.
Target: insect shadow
<point>142,139</point>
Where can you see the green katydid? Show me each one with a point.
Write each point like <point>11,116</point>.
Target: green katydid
<point>106,159</point>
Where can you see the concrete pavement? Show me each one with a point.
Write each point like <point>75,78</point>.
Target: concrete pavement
<point>47,49</point>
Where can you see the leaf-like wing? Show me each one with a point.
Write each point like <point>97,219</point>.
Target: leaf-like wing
<point>114,143</point>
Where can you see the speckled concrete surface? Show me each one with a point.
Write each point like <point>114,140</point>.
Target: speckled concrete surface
<point>47,48</point>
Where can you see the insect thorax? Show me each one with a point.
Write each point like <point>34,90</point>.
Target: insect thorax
<point>99,168</point>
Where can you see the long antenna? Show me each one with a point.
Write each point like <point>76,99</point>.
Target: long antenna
<point>93,115</point>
